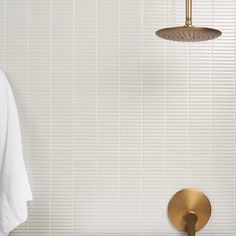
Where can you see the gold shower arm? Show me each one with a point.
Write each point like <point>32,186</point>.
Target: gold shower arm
<point>191,219</point>
<point>188,12</point>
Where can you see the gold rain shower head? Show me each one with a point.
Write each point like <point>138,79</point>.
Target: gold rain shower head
<point>188,32</point>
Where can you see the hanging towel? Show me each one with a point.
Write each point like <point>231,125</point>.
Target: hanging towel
<point>14,185</point>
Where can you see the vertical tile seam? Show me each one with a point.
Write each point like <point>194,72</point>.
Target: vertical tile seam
<point>234,116</point>
<point>165,116</point>
<point>211,102</point>
<point>142,122</point>
<point>119,113</point>
<point>28,99</point>
<point>96,112</point>
<point>73,114</point>
<point>5,33</point>
<point>188,118</point>
<point>50,118</point>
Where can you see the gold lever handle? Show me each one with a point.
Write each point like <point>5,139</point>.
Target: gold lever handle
<point>191,220</point>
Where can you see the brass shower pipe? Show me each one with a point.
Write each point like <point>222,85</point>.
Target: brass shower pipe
<point>189,210</point>
<point>188,12</point>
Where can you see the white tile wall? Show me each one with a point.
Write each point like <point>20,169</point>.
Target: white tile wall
<point>116,120</point>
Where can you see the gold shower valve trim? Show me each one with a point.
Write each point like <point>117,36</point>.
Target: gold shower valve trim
<point>189,210</point>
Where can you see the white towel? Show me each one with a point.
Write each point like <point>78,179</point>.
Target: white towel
<point>14,185</point>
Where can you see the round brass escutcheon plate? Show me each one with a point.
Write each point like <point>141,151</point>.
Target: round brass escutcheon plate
<point>185,201</point>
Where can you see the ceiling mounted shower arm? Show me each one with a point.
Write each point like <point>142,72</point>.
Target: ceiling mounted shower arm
<point>188,13</point>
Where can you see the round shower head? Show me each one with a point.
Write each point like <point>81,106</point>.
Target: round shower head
<point>188,33</point>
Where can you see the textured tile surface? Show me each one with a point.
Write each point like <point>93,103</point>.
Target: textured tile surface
<point>116,120</point>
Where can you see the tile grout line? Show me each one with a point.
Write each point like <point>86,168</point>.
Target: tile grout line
<point>234,106</point>
<point>96,98</point>
<point>50,118</point>
<point>188,116</point>
<point>165,113</point>
<point>142,117</point>
<point>73,114</point>
<point>211,102</point>
<point>5,33</point>
<point>28,97</point>
<point>119,113</point>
